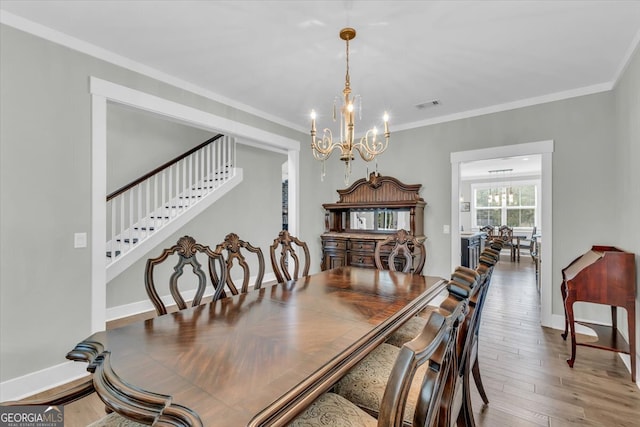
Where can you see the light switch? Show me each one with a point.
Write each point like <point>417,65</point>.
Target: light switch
<point>446,229</point>
<point>80,240</point>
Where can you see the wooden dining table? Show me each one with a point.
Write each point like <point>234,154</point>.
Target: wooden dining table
<point>254,359</point>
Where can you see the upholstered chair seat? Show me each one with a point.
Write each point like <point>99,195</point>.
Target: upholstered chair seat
<point>333,410</point>
<point>410,329</point>
<point>364,385</point>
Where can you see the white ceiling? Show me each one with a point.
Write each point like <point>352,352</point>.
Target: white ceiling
<point>502,168</point>
<point>280,59</point>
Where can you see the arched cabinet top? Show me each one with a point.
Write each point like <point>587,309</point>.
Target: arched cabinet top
<point>377,191</point>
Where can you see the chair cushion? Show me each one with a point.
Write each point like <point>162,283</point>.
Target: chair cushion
<point>408,331</point>
<point>115,420</point>
<point>331,409</point>
<point>364,384</point>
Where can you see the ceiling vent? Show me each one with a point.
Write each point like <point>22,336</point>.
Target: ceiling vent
<point>428,104</point>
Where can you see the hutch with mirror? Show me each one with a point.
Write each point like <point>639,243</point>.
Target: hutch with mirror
<point>369,211</point>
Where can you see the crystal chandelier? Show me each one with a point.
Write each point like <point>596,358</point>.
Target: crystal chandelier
<point>369,145</point>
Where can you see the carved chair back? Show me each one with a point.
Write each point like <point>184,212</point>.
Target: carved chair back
<point>490,230</point>
<point>186,250</point>
<point>506,234</point>
<point>233,249</point>
<point>409,250</point>
<point>288,265</point>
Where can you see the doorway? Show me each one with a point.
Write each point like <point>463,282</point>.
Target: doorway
<point>543,149</point>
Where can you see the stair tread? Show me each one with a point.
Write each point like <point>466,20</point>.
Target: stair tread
<point>135,240</point>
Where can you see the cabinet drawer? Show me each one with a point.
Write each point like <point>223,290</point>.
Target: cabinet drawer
<point>361,260</point>
<point>362,245</point>
<point>334,244</point>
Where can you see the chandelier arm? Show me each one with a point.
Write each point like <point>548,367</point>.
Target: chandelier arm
<point>369,149</point>
<point>323,147</point>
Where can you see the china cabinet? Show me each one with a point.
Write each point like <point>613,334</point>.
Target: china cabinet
<point>367,212</point>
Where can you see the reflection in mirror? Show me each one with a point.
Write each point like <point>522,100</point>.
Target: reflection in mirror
<point>393,220</point>
<point>381,220</point>
<point>362,220</point>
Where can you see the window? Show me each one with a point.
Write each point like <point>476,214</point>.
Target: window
<point>512,204</point>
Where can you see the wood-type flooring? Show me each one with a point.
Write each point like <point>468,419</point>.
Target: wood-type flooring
<point>523,367</point>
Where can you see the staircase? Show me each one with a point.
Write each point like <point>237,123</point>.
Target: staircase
<point>142,214</point>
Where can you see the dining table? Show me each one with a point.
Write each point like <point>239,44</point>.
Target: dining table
<point>254,359</point>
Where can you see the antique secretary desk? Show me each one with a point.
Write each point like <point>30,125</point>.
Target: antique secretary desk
<point>367,212</point>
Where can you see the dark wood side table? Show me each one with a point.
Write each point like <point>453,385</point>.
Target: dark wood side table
<point>603,275</point>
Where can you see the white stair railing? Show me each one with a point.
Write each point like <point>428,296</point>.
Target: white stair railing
<point>142,210</point>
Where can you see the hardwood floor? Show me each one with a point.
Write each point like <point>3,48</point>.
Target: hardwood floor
<point>523,367</point>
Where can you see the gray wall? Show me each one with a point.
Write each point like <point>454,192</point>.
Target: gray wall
<point>627,106</point>
<point>138,142</point>
<point>45,189</point>
<point>45,186</point>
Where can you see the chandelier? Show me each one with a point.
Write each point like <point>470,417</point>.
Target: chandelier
<point>502,191</point>
<point>369,145</point>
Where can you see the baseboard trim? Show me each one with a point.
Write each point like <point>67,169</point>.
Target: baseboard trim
<point>558,323</point>
<point>39,381</point>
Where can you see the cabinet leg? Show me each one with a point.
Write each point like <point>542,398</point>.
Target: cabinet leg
<point>631,321</point>
<point>563,291</point>
<point>569,310</point>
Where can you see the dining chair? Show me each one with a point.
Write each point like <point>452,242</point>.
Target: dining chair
<point>415,389</point>
<point>186,251</point>
<point>506,235</point>
<point>365,383</point>
<point>287,265</point>
<point>485,268</point>
<point>533,243</point>
<point>73,393</point>
<point>407,252</point>
<point>490,230</point>
<point>233,251</point>
<point>412,327</point>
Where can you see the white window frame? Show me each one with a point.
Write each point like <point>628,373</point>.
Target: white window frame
<point>501,184</point>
